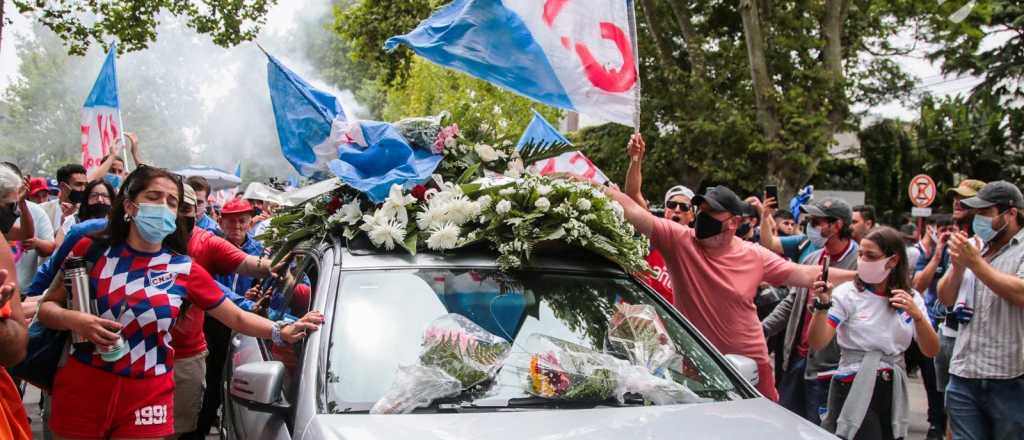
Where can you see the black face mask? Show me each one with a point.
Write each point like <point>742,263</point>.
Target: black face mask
<point>88,212</point>
<point>76,196</point>
<point>743,230</point>
<point>8,215</point>
<point>707,226</point>
<point>256,212</point>
<point>190,224</point>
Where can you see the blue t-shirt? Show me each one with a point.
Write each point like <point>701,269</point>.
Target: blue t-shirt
<point>931,298</point>
<point>46,271</point>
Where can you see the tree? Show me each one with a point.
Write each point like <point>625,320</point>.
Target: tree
<point>882,144</point>
<point>734,95</point>
<point>134,23</point>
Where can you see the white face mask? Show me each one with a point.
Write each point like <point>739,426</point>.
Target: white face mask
<point>873,272</point>
<point>814,235</point>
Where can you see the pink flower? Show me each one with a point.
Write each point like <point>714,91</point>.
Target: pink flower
<point>445,138</point>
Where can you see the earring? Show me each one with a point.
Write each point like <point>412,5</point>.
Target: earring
<point>127,218</point>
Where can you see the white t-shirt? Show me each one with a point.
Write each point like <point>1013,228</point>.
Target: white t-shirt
<point>25,262</point>
<point>865,321</point>
<point>53,212</point>
<point>913,254</point>
<point>965,294</point>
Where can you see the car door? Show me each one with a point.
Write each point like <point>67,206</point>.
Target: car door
<point>291,298</point>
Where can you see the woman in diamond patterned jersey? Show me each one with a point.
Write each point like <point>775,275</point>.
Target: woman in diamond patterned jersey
<point>140,279</point>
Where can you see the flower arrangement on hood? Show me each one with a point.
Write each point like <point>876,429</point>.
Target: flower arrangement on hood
<point>480,194</point>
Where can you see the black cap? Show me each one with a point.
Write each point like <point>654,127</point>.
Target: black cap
<point>721,198</point>
<point>829,208</point>
<point>1000,193</point>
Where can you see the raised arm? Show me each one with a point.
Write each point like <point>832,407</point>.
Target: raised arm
<point>104,167</point>
<point>768,238</point>
<point>634,175</point>
<point>637,215</point>
<point>806,275</point>
<point>1008,286</point>
<point>136,155</point>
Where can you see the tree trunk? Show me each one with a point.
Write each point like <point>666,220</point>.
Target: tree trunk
<point>690,37</point>
<point>767,111</point>
<point>660,43</point>
<point>832,32</point>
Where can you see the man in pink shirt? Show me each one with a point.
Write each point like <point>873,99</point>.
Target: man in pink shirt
<point>715,274</point>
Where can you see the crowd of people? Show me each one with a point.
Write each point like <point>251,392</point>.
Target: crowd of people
<point>945,299</point>
<point>158,260</point>
<point>836,309</point>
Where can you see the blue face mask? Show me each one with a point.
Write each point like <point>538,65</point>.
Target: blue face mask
<point>155,222</point>
<point>983,228</point>
<point>114,180</point>
<point>814,235</point>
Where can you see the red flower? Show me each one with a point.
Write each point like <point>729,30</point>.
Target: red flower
<point>333,206</point>
<point>419,192</point>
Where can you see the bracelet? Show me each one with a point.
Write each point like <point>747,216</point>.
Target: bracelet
<point>822,306</point>
<point>275,333</point>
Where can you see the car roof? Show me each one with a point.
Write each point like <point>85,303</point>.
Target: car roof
<point>547,256</point>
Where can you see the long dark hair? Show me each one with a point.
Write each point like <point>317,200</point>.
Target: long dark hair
<point>891,243</point>
<point>136,182</point>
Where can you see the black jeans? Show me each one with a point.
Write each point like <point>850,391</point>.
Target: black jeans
<point>877,424</point>
<point>217,339</point>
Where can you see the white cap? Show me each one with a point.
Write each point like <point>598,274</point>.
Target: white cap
<point>678,190</point>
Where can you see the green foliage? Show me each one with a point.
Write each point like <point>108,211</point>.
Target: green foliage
<point>882,145</point>
<point>133,23</point>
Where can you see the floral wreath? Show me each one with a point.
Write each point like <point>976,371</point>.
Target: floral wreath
<point>479,194</point>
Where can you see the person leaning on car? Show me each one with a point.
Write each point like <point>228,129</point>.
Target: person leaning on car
<point>715,275</point>
<point>806,372</point>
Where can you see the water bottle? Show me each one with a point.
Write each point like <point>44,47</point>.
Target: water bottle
<point>76,282</point>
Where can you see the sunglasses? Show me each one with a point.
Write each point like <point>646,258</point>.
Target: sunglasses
<point>682,206</point>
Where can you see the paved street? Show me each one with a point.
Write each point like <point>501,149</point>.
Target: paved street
<point>918,407</point>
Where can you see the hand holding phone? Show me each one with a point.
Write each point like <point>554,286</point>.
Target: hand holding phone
<point>771,192</point>
<point>825,265</point>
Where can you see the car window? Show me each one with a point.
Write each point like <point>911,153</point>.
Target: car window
<point>381,317</point>
<point>291,300</point>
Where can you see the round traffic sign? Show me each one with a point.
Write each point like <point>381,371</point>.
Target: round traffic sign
<point>922,191</point>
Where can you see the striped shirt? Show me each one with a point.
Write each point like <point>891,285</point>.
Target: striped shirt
<point>991,346</point>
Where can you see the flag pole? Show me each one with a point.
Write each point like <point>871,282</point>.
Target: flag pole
<point>120,119</point>
<point>631,5</point>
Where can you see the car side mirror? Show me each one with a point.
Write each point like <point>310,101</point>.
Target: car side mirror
<point>257,386</point>
<point>745,366</point>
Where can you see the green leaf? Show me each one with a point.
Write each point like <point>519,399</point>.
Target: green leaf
<point>471,189</point>
<point>533,152</point>
<point>410,241</point>
<point>469,174</point>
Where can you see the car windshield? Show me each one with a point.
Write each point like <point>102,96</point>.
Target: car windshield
<point>382,316</point>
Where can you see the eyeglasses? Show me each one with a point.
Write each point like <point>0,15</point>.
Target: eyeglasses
<point>98,196</point>
<point>682,206</point>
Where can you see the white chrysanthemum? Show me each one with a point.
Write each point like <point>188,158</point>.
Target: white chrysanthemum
<point>350,213</point>
<point>387,233</point>
<point>507,192</point>
<point>394,205</point>
<point>309,209</point>
<point>619,212</point>
<point>460,210</point>
<point>583,204</point>
<point>443,237</point>
<point>486,152</point>
<point>503,207</point>
<point>432,215</point>
<point>483,202</point>
<point>515,168</point>
<point>544,190</point>
<point>543,204</point>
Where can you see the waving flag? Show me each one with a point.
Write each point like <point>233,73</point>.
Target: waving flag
<point>310,122</point>
<point>575,55</point>
<point>804,196</point>
<point>101,114</point>
<point>541,132</point>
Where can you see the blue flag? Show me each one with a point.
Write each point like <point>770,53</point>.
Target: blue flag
<point>377,156</point>
<point>805,195</point>
<point>238,169</point>
<point>305,117</point>
<point>540,131</point>
<point>101,114</point>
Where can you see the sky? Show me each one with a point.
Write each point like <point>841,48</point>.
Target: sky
<point>286,15</point>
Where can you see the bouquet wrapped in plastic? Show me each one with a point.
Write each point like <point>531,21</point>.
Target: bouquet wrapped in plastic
<point>565,371</point>
<point>638,332</point>
<point>457,355</point>
<point>421,132</point>
<point>416,386</point>
<point>463,349</point>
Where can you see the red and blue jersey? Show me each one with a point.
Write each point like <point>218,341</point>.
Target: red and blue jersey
<point>144,292</point>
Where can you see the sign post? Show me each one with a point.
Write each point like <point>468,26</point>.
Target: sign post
<point>922,193</point>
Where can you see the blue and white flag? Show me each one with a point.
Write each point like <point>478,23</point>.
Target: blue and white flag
<point>376,156</point>
<point>801,198</point>
<point>101,114</point>
<point>540,131</point>
<point>575,55</point>
<point>310,122</point>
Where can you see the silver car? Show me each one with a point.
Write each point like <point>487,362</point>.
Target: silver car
<point>377,306</point>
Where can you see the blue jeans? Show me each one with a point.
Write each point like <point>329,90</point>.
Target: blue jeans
<point>805,397</point>
<point>982,409</point>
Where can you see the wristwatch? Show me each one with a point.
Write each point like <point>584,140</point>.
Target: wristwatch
<point>818,305</point>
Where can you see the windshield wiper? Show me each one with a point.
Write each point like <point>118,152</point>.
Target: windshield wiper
<point>541,402</point>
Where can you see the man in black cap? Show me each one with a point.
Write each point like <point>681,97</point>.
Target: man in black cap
<point>986,380</point>
<point>715,275</point>
<point>807,373</point>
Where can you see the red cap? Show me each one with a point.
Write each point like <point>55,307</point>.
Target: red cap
<point>37,184</point>
<point>237,206</point>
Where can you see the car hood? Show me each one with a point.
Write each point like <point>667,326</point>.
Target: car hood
<point>746,419</point>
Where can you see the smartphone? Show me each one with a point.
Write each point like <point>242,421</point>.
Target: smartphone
<point>772,192</point>
<point>824,269</point>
